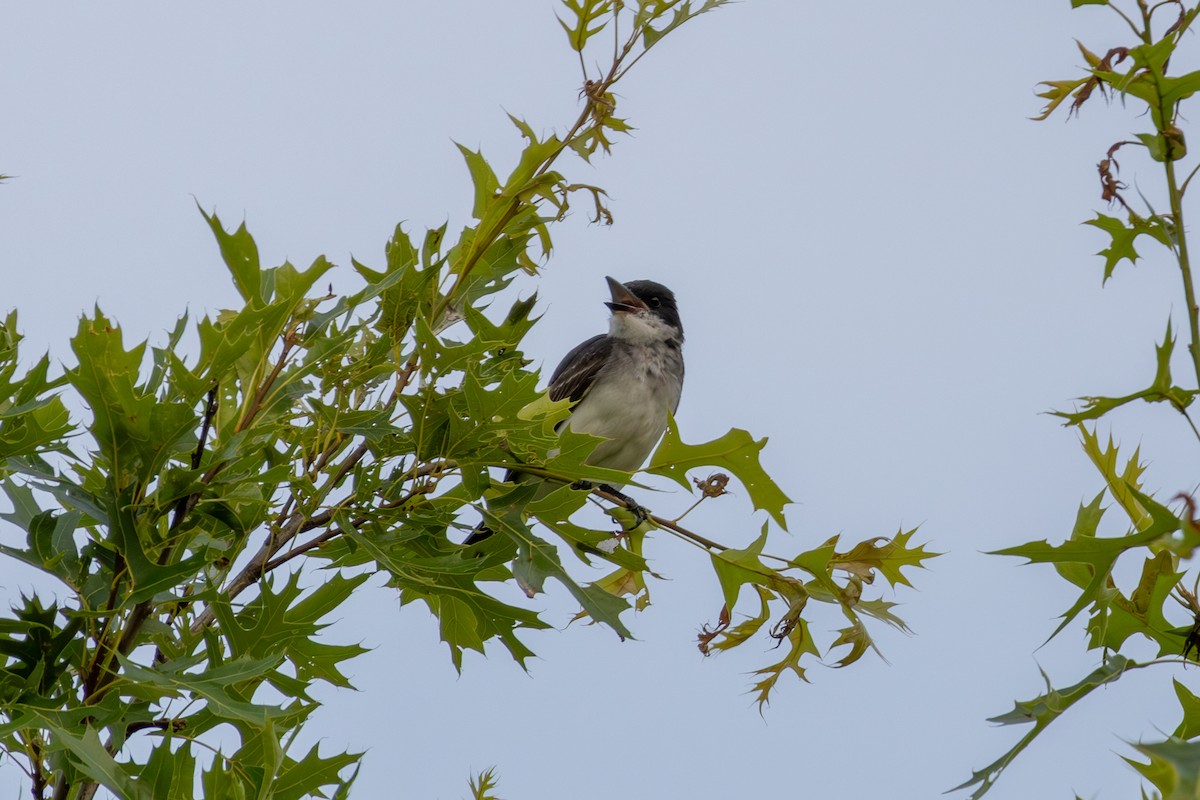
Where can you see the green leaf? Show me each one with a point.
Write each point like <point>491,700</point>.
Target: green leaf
<point>586,12</point>
<point>241,257</point>
<point>883,554</point>
<point>137,432</point>
<point>682,13</point>
<point>32,417</point>
<point>537,560</point>
<point>218,686</point>
<point>1056,92</point>
<point>1087,521</point>
<point>282,622</point>
<point>736,451</point>
<point>93,760</point>
<point>170,773</point>
<point>729,638</point>
<point>1122,236</point>
<point>1123,484</point>
<point>1098,555</point>
<point>129,536</point>
<point>306,777</point>
<point>469,617</point>
<point>1174,767</point>
<point>404,290</point>
<point>1156,145</point>
<point>1041,711</point>
<point>1181,87</point>
<point>737,567</point>
<point>1161,390</point>
<point>857,639</point>
<point>485,180</point>
<point>1119,618</point>
<point>483,784</point>
<point>1189,726</point>
<point>800,643</point>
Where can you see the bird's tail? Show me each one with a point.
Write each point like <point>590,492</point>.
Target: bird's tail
<point>481,532</point>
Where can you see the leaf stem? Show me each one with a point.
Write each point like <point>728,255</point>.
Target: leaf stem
<point>1188,417</point>
<point>1185,269</point>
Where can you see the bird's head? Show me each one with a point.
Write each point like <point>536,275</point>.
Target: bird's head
<point>644,311</point>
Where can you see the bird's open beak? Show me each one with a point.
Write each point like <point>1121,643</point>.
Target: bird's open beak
<point>623,300</point>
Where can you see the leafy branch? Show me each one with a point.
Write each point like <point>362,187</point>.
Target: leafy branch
<point>1165,540</point>
<point>358,432</point>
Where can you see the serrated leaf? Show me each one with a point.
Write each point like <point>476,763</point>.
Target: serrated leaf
<point>216,685</point>
<point>483,784</point>
<point>537,560</point>
<point>736,451</point>
<point>1087,521</point>
<point>731,637</point>
<point>240,254</point>
<point>484,178</point>
<point>1119,618</point>
<point>1098,555</point>
<point>1174,767</point>
<point>94,761</point>
<point>170,772</point>
<point>735,567</point>
<point>1122,236</point>
<point>857,638</point>
<point>1055,93</point>
<point>883,554</point>
<point>586,12</point>
<point>1161,390</point>
<point>129,536</point>
<point>799,643</point>
<point>306,777</point>
<point>1041,711</point>
<point>1123,484</point>
<point>1189,726</point>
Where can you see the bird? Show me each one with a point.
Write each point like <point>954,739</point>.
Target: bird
<point>622,384</point>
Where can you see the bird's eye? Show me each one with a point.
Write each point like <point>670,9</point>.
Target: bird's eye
<point>655,302</point>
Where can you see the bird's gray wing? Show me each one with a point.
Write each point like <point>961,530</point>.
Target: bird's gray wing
<point>577,372</point>
<point>572,379</point>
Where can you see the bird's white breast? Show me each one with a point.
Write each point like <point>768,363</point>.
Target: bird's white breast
<point>629,402</point>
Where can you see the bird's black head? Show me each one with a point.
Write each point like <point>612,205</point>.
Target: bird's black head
<point>654,296</point>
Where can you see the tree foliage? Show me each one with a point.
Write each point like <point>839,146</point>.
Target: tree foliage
<point>1160,537</point>
<point>224,493</point>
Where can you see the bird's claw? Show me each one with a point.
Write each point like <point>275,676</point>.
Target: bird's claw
<point>640,515</point>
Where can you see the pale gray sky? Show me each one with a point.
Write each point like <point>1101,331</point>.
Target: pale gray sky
<point>879,265</point>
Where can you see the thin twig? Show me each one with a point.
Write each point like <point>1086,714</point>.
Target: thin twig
<point>663,522</point>
<point>265,387</point>
<point>479,244</point>
<point>1186,416</point>
<point>141,612</point>
<point>355,524</point>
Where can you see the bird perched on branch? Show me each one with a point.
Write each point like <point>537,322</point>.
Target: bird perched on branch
<point>623,383</point>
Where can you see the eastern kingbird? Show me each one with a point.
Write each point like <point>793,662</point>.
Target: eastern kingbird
<point>622,383</point>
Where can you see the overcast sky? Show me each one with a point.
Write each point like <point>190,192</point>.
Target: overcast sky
<point>879,265</point>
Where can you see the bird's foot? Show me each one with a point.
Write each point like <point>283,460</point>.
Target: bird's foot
<point>640,514</point>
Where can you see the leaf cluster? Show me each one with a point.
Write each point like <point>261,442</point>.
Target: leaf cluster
<point>1158,543</point>
<point>226,492</point>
